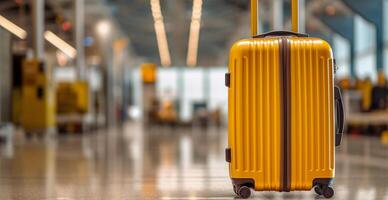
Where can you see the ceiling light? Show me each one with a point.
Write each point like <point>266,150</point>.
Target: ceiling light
<point>103,28</point>
<point>161,35</point>
<point>13,28</point>
<point>60,44</point>
<point>195,27</point>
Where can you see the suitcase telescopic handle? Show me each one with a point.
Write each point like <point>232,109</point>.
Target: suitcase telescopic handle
<point>255,16</point>
<point>340,116</point>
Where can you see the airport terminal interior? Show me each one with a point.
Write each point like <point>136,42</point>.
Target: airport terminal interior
<point>137,99</point>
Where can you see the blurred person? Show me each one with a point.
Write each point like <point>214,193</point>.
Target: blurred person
<point>379,94</point>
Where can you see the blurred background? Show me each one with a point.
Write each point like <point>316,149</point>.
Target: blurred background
<point>125,99</point>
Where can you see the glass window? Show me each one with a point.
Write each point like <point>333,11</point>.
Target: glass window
<point>385,22</point>
<point>187,86</point>
<point>193,91</point>
<point>365,62</point>
<point>137,90</point>
<point>341,50</point>
<point>218,93</point>
<point>167,83</point>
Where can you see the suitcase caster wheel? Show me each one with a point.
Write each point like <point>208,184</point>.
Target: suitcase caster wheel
<point>244,192</point>
<point>318,189</point>
<point>235,189</point>
<point>328,192</point>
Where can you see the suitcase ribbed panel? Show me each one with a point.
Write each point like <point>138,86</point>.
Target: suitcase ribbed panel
<point>254,112</point>
<point>312,112</point>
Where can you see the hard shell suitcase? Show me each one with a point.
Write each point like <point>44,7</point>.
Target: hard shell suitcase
<point>283,125</point>
<point>37,99</point>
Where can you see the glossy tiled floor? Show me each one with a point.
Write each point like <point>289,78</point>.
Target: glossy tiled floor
<point>162,163</point>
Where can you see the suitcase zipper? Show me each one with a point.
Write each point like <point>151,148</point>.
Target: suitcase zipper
<point>285,63</point>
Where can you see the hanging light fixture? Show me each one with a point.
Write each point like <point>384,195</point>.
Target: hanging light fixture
<point>195,27</point>
<point>161,35</point>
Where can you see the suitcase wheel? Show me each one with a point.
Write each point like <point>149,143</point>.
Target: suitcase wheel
<point>326,191</point>
<point>244,192</point>
<point>318,190</point>
<point>235,189</point>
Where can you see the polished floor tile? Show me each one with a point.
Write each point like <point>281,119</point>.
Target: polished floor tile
<point>136,162</point>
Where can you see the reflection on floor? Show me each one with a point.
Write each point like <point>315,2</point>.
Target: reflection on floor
<point>162,163</point>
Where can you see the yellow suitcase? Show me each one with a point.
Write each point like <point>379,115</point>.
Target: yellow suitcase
<point>37,99</point>
<point>72,97</point>
<point>283,125</point>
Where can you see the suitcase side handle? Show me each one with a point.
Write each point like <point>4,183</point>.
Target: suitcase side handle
<point>280,33</point>
<point>340,116</point>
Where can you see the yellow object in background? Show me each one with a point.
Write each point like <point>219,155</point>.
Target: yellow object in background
<point>16,105</point>
<point>72,97</point>
<point>37,99</point>
<point>167,112</point>
<point>345,83</point>
<point>366,88</point>
<point>384,137</point>
<point>381,79</point>
<point>148,72</point>
<point>82,88</point>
